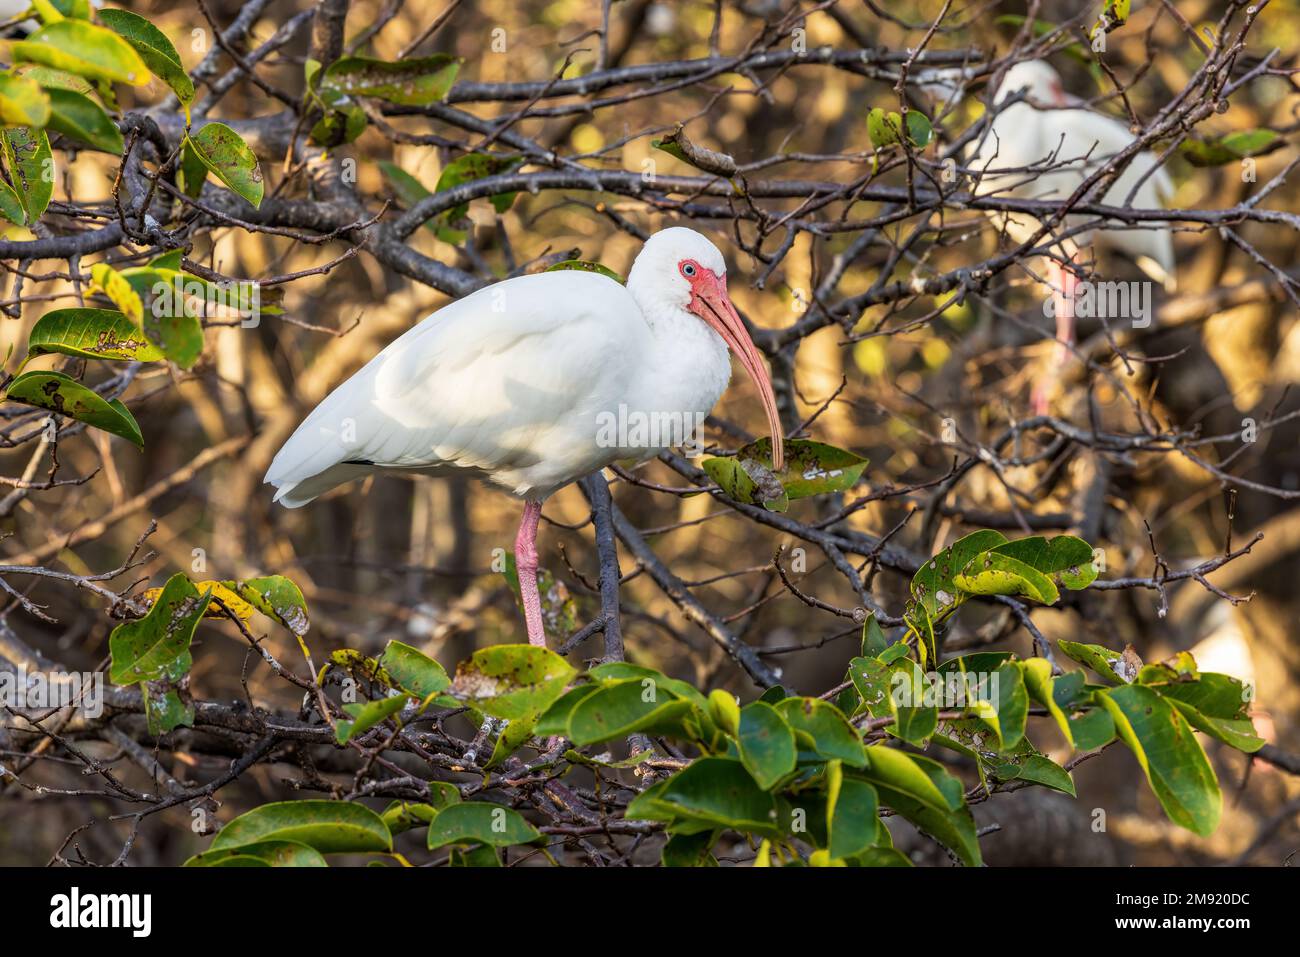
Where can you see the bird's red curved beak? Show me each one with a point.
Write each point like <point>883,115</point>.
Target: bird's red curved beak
<point>709,301</point>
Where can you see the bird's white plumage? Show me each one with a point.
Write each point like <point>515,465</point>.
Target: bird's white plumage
<point>1061,146</point>
<point>513,382</point>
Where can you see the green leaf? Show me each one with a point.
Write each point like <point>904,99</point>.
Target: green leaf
<point>270,853</point>
<point>914,719</point>
<point>30,165</point>
<point>690,850</point>
<point>91,334</point>
<point>1037,769</point>
<point>766,744</point>
<point>748,482</point>
<point>1065,559</point>
<point>724,711</point>
<point>169,319</point>
<point>920,624</point>
<point>471,167</point>
<point>880,129</point>
<point>276,597</point>
<point>84,49</point>
<point>417,81</point>
<point>881,857</point>
<point>895,690</point>
<point>976,663</point>
<point>774,695</point>
<point>236,859</point>
<point>513,736</point>
<point>1100,659</point>
<point>343,122</point>
<point>1091,729</point>
<point>852,808</point>
<point>512,681</point>
<point>65,395</point>
<point>1217,695</point>
<point>919,129</point>
<point>402,816</point>
<point>1215,704</point>
<point>811,468</point>
<point>621,670</point>
<point>886,129</point>
<point>1230,148</point>
<point>715,791</point>
<point>873,639</point>
<point>164,709</point>
<point>154,49</point>
<point>933,586</point>
<point>45,9</point>
<point>1172,759</point>
<point>225,154</point>
<point>22,102</point>
<point>478,822</point>
<point>406,187</point>
<point>413,670</point>
<point>331,827</point>
<point>870,677</point>
<point>192,171</point>
<point>80,118</point>
<point>1251,142</point>
<point>1039,684</point>
<point>649,805</point>
<point>824,729</point>
<point>993,573</point>
<point>169,261</point>
<point>479,855</point>
<point>158,645</point>
<point>365,715</point>
<point>52,79</point>
<point>77,9</point>
<point>1235,732</point>
<point>620,709</point>
<point>923,779</point>
<point>555,720</point>
<point>955,829</point>
<point>585,265</point>
<point>1006,713</point>
<point>671,146</point>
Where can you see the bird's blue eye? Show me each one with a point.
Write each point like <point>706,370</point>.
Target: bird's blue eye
<point>688,269</point>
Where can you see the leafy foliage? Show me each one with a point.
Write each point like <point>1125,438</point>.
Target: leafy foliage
<point>58,72</point>
<point>810,781</point>
<point>811,468</point>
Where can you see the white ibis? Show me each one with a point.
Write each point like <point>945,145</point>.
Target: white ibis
<point>1044,147</point>
<point>519,383</point>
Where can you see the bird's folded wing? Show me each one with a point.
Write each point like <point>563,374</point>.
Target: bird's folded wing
<point>480,383</point>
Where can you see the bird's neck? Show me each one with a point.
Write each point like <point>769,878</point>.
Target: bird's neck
<point>686,365</point>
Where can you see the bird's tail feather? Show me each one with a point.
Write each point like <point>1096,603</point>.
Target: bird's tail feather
<point>298,494</point>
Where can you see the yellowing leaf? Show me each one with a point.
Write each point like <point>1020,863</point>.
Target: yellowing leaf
<point>114,285</point>
<point>220,593</point>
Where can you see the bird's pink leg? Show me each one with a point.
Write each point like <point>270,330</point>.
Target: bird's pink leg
<point>1064,281</point>
<point>526,568</point>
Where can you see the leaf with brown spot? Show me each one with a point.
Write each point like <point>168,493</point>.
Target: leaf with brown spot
<point>65,395</point>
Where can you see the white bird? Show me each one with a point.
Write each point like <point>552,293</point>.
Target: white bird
<point>520,382</point>
<point>1044,148</point>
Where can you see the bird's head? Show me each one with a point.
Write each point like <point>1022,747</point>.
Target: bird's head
<point>680,268</point>
<point>1040,82</point>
